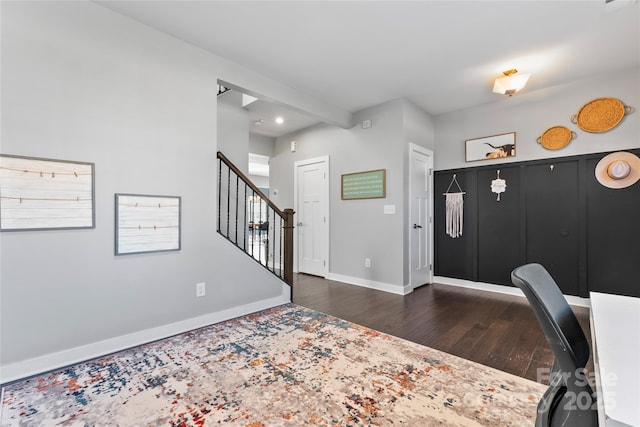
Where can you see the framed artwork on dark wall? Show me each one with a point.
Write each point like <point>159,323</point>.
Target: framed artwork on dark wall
<point>45,194</point>
<point>491,147</point>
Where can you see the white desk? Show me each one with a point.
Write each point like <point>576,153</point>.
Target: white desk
<point>615,331</point>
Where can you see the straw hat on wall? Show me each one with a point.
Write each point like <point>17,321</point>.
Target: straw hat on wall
<point>618,170</point>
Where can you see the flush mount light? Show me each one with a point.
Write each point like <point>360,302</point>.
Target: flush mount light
<point>258,122</point>
<point>279,120</point>
<point>511,83</point>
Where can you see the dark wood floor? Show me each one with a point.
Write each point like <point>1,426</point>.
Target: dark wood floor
<point>493,329</point>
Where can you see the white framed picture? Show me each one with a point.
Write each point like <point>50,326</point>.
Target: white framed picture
<point>147,223</point>
<point>45,194</point>
<point>491,147</point>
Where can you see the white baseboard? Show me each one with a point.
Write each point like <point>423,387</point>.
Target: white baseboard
<point>372,284</point>
<point>573,300</point>
<point>38,365</point>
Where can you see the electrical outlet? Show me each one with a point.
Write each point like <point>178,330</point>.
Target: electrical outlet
<point>367,262</point>
<point>200,289</point>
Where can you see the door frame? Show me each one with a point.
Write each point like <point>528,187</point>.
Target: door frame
<point>325,190</point>
<point>413,148</point>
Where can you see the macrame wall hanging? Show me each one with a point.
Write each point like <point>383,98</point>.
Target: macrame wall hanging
<point>454,206</point>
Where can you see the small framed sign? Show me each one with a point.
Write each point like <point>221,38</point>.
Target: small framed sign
<point>364,185</point>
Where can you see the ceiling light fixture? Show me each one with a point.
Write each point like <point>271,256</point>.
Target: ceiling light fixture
<point>258,122</point>
<point>511,83</point>
<point>279,120</point>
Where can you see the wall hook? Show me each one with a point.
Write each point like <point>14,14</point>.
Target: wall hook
<point>551,168</point>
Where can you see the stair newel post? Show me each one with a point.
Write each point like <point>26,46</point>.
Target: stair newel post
<point>288,246</point>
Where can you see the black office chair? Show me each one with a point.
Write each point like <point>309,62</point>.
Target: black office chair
<point>569,401</point>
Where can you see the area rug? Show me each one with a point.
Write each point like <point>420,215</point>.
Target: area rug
<point>284,366</point>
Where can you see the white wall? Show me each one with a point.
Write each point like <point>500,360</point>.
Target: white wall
<point>233,129</point>
<point>259,181</point>
<point>419,129</point>
<point>418,126</point>
<point>358,228</point>
<point>82,83</point>
<point>261,144</point>
<point>530,114</point>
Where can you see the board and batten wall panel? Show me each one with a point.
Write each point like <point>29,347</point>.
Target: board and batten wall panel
<point>498,225</point>
<point>553,221</point>
<point>585,234</point>
<point>613,235</point>
<point>456,257</point>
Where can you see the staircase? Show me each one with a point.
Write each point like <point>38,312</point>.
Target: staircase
<point>253,223</point>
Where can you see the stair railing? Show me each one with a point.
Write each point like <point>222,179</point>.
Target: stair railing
<point>252,222</point>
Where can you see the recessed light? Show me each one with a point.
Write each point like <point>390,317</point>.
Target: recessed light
<point>279,120</point>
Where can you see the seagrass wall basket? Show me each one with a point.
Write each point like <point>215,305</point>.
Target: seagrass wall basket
<point>600,115</point>
<point>556,137</point>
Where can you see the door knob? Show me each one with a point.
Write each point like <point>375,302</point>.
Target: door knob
<point>417,226</point>
<point>299,224</point>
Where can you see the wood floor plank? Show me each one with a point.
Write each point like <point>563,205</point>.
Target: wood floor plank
<point>494,329</point>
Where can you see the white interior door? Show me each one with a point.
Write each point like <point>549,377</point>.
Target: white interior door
<point>312,224</point>
<point>421,215</point>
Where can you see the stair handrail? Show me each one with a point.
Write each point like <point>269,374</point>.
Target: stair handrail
<point>286,215</point>
<point>247,181</point>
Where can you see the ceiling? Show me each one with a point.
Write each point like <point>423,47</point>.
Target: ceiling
<point>262,114</point>
<point>441,55</point>
<point>268,111</point>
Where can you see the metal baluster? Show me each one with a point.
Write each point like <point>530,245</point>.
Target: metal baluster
<point>253,218</point>
<point>245,224</point>
<point>237,193</point>
<point>281,242</point>
<point>259,230</point>
<point>228,199</point>
<point>219,192</point>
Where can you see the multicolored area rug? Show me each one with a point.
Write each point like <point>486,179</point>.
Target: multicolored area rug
<point>283,366</point>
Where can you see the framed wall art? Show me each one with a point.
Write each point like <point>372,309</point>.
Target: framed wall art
<point>491,147</point>
<point>147,223</point>
<point>45,194</point>
<point>364,185</point>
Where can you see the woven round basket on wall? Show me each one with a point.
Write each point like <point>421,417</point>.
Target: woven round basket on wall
<point>556,137</point>
<point>600,115</point>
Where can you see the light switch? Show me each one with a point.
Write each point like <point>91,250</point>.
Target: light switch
<point>389,209</point>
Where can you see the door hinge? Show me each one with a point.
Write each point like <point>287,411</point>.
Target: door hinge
<point>430,172</point>
<point>324,263</point>
<point>430,267</point>
<point>430,219</point>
